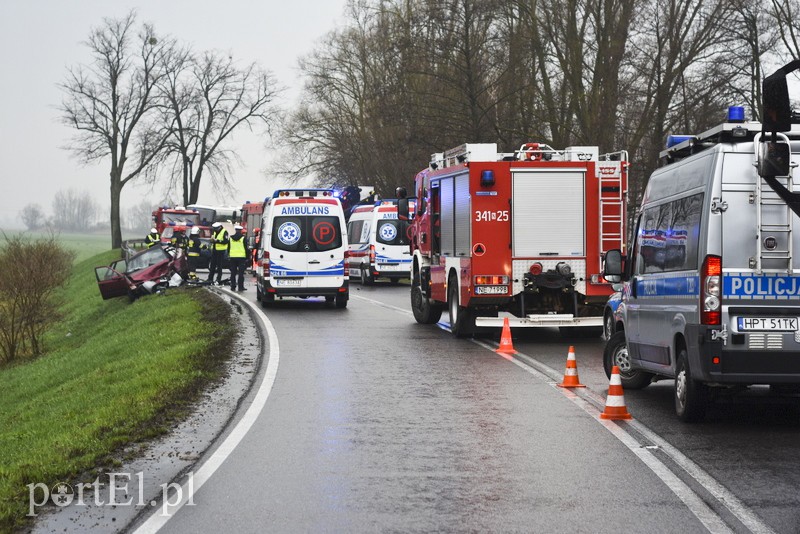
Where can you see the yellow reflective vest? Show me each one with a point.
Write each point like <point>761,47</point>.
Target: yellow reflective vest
<point>220,236</point>
<point>236,248</point>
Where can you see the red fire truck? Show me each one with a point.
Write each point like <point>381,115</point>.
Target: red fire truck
<point>174,223</point>
<point>518,235</point>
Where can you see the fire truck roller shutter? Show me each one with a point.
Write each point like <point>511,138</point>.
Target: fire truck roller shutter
<point>540,200</point>
<point>447,225</point>
<point>462,216</point>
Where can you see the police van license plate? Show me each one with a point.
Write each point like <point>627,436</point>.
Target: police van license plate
<point>767,324</point>
<point>491,290</point>
<point>288,282</point>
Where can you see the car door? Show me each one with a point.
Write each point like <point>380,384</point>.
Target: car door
<point>111,280</point>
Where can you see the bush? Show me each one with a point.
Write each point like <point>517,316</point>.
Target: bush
<point>30,273</point>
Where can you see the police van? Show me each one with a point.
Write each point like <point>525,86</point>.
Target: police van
<point>711,294</point>
<point>379,243</point>
<point>303,247</point>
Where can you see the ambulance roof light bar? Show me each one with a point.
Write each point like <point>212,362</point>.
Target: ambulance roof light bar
<point>303,193</point>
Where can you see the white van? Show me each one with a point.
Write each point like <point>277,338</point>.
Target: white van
<point>303,247</point>
<point>379,243</point>
<point>711,281</point>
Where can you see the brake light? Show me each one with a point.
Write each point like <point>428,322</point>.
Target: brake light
<point>491,280</point>
<point>536,269</point>
<point>265,263</point>
<point>711,291</point>
<point>372,253</point>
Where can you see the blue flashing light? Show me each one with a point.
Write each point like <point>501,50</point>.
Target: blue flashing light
<point>172,223</point>
<point>337,193</point>
<point>673,140</point>
<point>736,114</point>
<point>487,178</point>
<point>247,202</point>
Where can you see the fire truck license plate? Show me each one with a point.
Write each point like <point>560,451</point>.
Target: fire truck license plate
<point>491,290</point>
<point>288,281</point>
<point>767,324</point>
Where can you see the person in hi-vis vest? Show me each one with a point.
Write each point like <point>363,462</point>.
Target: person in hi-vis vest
<point>238,256</point>
<point>219,245</point>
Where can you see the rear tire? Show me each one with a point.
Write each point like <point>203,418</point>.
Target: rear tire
<point>461,322</point>
<point>267,299</point>
<point>425,310</point>
<point>366,278</point>
<point>616,353</point>
<point>691,396</point>
<point>341,300</point>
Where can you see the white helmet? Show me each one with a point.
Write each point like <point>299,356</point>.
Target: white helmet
<point>195,230</point>
<point>216,225</point>
<point>153,231</point>
<point>238,227</point>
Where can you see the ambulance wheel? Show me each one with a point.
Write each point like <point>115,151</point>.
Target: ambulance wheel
<point>691,396</point>
<point>267,299</point>
<point>258,293</point>
<point>461,321</point>
<point>366,278</point>
<point>616,353</point>
<point>425,312</point>
<point>341,300</point>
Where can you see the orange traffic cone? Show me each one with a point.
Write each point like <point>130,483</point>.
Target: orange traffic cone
<point>506,346</point>
<point>571,379</point>
<point>615,401</point>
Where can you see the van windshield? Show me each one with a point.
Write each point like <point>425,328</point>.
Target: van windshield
<point>393,232</point>
<point>306,233</point>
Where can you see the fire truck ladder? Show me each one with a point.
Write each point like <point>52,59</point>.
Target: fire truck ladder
<point>612,198</point>
<point>778,221</point>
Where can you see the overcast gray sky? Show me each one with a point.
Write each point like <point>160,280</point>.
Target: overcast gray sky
<point>40,38</point>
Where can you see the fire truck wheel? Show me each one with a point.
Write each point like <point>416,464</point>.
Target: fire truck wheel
<point>461,321</point>
<point>366,278</point>
<point>616,353</point>
<point>424,311</point>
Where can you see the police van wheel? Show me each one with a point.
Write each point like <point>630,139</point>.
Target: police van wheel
<point>461,322</point>
<point>366,278</point>
<point>616,353</point>
<point>258,294</point>
<point>341,300</point>
<point>691,396</point>
<point>425,312</point>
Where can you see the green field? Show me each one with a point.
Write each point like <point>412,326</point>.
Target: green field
<point>114,373</point>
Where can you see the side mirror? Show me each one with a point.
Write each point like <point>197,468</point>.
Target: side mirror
<point>777,112</point>
<point>612,268</point>
<point>402,209</point>
<point>773,158</point>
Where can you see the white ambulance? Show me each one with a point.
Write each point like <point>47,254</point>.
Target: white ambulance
<point>379,243</point>
<point>303,247</point>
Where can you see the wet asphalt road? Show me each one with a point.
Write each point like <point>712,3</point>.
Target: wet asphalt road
<point>375,423</point>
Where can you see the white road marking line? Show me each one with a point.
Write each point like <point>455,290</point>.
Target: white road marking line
<point>708,517</point>
<point>157,520</point>
<point>713,521</point>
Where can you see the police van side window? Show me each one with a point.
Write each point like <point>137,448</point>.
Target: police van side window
<point>669,236</point>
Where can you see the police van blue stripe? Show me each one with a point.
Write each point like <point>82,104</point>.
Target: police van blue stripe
<point>679,286</point>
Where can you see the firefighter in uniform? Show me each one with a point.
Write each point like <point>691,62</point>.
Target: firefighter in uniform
<point>219,244</point>
<point>193,251</point>
<point>152,238</point>
<point>237,256</point>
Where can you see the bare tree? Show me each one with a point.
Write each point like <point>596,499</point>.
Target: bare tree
<point>111,103</point>
<point>32,216</point>
<point>74,210</point>
<point>209,98</point>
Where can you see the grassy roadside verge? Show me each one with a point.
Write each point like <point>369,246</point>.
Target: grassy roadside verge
<point>114,373</point>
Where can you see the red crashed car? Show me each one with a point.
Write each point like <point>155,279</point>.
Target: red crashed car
<point>146,272</point>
